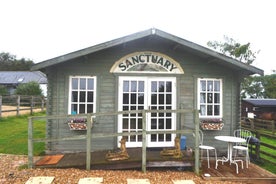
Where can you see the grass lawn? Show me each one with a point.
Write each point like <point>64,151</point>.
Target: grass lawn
<point>14,135</point>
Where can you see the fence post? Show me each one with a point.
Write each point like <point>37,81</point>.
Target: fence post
<point>88,142</point>
<point>144,139</point>
<point>18,105</point>
<point>196,119</point>
<point>32,104</point>
<point>42,103</point>
<point>30,143</point>
<point>0,106</point>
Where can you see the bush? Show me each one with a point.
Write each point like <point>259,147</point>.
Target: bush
<point>30,88</point>
<point>3,90</point>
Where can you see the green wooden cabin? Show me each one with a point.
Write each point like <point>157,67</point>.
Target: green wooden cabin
<point>151,69</point>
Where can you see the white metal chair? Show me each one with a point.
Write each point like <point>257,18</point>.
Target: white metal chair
<point>206,147</point>
<point>243,147</point>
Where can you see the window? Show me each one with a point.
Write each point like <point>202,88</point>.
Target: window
<point>82,95</point>
<point>210,97</point>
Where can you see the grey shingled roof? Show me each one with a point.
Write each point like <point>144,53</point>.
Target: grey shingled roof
<point>262,102</point>
<point>18,77</point>
<point>179,42</point>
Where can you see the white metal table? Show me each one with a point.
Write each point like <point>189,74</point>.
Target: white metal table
<point>230,140</point>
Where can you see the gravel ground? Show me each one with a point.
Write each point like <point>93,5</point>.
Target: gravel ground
<point>11,173</point>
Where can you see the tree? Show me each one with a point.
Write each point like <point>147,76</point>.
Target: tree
<point>8,62</point>
<point>30,88</point>
<point>230,47</point>
<point>269,84</point>
<point>3,90</point>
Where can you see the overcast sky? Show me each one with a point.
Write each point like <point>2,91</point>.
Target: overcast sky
<point>43,29</point>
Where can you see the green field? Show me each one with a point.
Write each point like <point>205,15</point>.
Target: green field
<point>14,135</point>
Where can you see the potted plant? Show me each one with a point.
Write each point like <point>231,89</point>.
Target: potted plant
<point>211,124</point>
<point>77,123</point>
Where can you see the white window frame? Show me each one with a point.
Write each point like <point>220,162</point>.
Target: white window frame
<point>94,90</point>
<point>213,92</point>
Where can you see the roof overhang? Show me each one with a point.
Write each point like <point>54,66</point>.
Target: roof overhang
<point>208,53</point>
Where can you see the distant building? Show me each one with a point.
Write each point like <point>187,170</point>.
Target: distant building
<point>11,79</point>
<point>257,107</point>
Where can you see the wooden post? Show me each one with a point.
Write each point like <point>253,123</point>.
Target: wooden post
<point>257,147</point>
<point>88,141</point>
<point>0,106</point>
<point>30,143</point>
<point>18,105</point>
<point>42,104</point>
<point>32,104</point>
<point>144,142</point>
<point>196,119</point>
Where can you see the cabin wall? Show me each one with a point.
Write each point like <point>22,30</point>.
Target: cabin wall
<point>100,63</point>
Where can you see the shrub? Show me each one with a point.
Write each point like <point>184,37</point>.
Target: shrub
<point>3,90</point>
<point>30,88</point>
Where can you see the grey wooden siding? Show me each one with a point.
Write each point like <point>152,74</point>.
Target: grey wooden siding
<point>99,65</point>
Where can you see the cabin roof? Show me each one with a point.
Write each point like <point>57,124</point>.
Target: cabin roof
<point>208,54</point>
<point>262,102</point>
<point>19,77</point>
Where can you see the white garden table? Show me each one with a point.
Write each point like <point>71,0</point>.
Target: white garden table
<point>230,140</point>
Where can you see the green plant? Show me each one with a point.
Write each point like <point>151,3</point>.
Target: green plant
<point>30,88</point>
<point>3,90</point>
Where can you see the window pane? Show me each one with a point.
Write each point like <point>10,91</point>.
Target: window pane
<point>202,85</point>
<point>81,108</point>
<point>90,83</point>
<point>153,86</point>
<point>216,85</point>
<point>82,83</point>
<point>209,110</point>
<point>202,98</point>
<point>74,96</point>
<point>154,99</point>
<point>140,123</point>
<point>161,137</point>
<point>168,137</point>
<point>74,109</point>
<point>74,83</point>
<point>203,110</point>
<point>217,100</point>
<point>89,108</point>
<point>216,109</point>
<point>82,96</point>
<point>168,123</point>
<point>90,97</point>
<point>153,138</point>
<point>210,98</point>
<point>210,86</point>
<point>153,124</point>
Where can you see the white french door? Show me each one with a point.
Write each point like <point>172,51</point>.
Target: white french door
<point>138,93</point>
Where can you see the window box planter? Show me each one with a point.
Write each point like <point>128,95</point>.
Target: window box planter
<point>77,124</point>
<point>211,124</point>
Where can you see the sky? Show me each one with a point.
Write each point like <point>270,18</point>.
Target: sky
<point>43,29</point>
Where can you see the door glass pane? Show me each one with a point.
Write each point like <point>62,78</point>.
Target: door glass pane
<point>161,86</point>
<point>133,86</point>
<point>154,86</point>
<point>126,86</point>
<point>168,86</point>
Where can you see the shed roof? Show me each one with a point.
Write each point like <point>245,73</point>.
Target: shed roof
<point>210,55</point>
<point>18,77</point>
<point>262,102</point>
